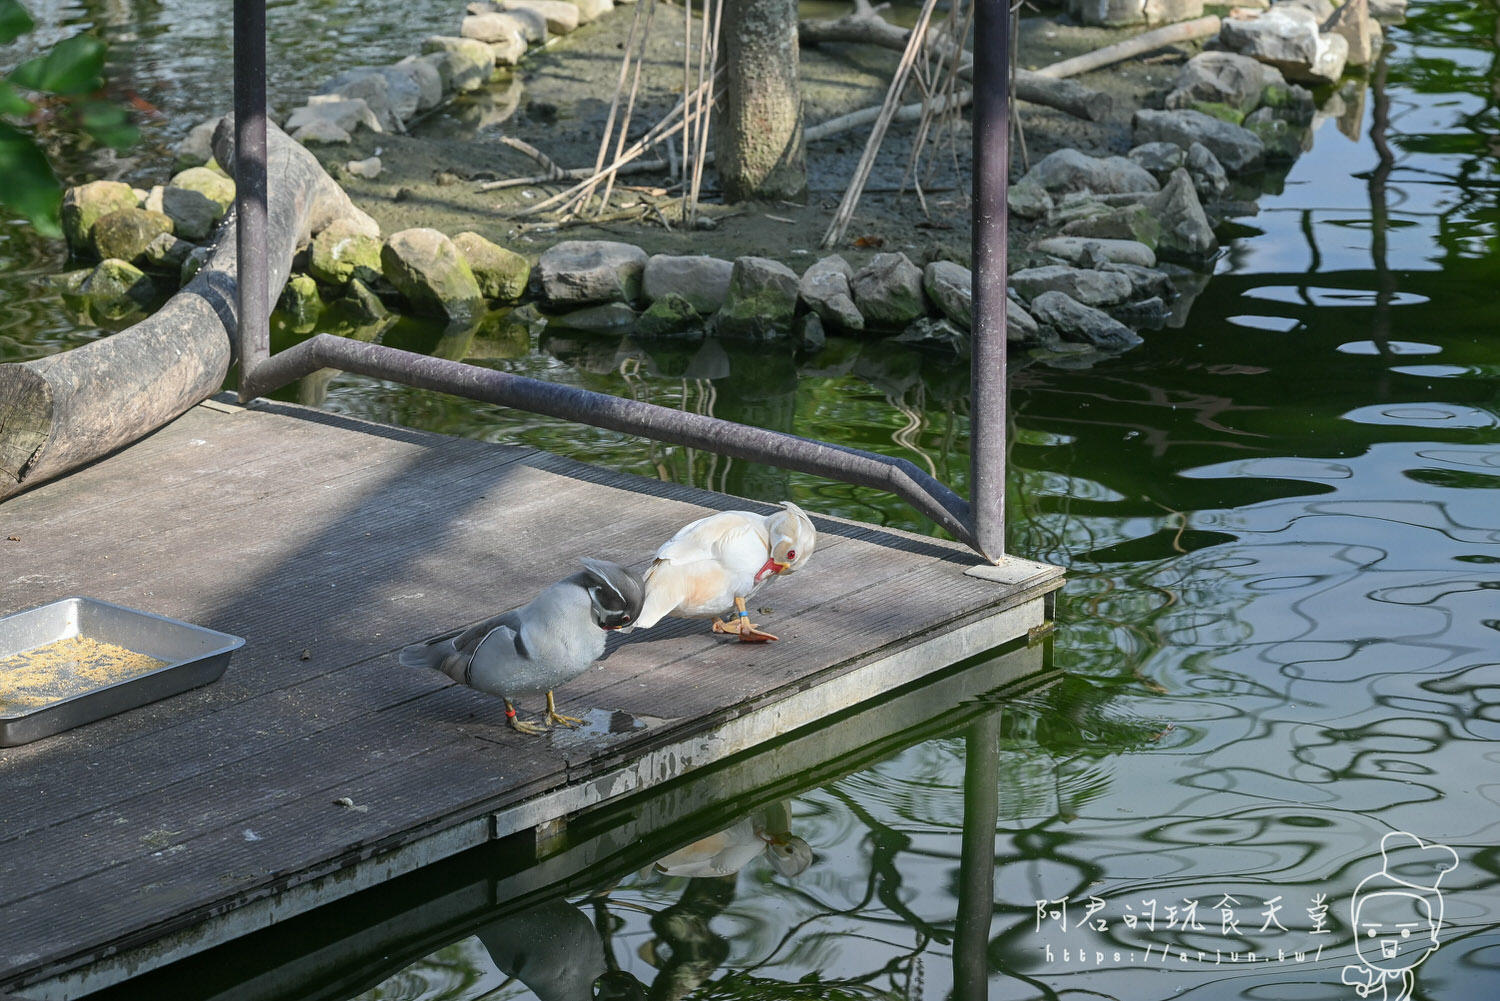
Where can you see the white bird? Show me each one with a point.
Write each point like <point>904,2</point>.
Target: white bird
<point>711,566</point>
<point>730,850</point>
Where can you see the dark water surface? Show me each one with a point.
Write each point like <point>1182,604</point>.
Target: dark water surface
<point>1280,640</point>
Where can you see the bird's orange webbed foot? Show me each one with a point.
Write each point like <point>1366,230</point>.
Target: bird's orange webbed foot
<point>520,725</point>
<point>745,629</point>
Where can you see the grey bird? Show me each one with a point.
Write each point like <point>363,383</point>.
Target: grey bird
<point>535,648</point>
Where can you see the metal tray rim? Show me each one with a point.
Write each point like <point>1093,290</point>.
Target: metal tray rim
<point>231,643</point>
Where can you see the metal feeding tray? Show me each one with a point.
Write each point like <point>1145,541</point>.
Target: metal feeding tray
<point>76,660</point>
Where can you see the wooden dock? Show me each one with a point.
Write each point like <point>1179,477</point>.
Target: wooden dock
<point>329,543</point>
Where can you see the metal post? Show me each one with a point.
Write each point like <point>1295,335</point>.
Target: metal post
<point>251,270</point>
<point>976,869</point>
<point>991,180</point>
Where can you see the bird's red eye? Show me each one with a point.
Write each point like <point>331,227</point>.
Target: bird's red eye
<point>791,554</point>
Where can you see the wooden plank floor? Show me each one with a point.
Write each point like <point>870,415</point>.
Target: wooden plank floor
<point>328,544</point>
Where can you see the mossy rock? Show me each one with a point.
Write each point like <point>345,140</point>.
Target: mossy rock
<point>126,233</point>
<point>363,303</point>
<point>192,264</point>
<point>1224,112</point>
<point>87,204</point>
<point>300,302</point>
<point>502,274</point>
<point>115,289</point>
<point>211,184</point>
<point>167,254</point>
<point>431,275</point>
<point>671,315</point>
<point>340,254</point>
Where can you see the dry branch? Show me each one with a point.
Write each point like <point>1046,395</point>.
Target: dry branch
<point>1150,41</point>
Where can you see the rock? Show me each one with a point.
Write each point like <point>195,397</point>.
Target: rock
<point>1237,148</point>
<point>402,88</point>
<point>762,299</point>
<point>85,204</point>
<point>1322,10</point>
<point>670,315</point>
<point>1288,37</point>
<point>369,168</point>
<point>592,10</point>
<point>1389,11</point>
<point>1069,170</point>
<point>1361,31</point>
<point>531,22</point>
<point>503,33</point>
<point>951,287</point>
<point>701,281</point>
<point>1073,248</point>
<point>1028,200</point>
<point>1282,142</point>
<point>193,214</point>
<point>126,233</point>
<point>1132,223</point>
<point>196,258</point>
<point>470,63</point>
<point>1207,173</point>
<point>824,286</point>
<point>321,131</point>
<point>68,283</point>
<point>431,274</point>
<point>299,301</point>
<point>198,145</point>
<point>1186,234</point>
<point>579,272</point>
<point>166,253</point>
<point>1223,78</point>
<point>426,77</point>
<point>1144,282</point>
<point>1158,158</point>
<point>1085,285</point>
<point>343,113</point>
<point>117,288</point>
<point>1145,314</point>
<point>603,318</point>
<point>888,291</point>
<point>1171,11</point>
<point>1108,13</point>
<point>1291,103</point>
<point>152,201</point>
<point>370,86</point>
<point>439,63</point>
<point>936,332</point>
<point>341,253</point>
<point>561,16</point>
<point>1074,321</point>
<point>209,183</point>
<point>502,274</point>
<point>1020,328</point>
<point>363,304</point>
<point>808,332</point>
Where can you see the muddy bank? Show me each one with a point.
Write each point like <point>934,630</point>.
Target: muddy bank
<point>558,100</point>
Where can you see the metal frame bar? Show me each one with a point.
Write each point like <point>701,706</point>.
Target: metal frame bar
<point>979,525</point>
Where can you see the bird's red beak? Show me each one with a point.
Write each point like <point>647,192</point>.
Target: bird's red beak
<point>769,567</point>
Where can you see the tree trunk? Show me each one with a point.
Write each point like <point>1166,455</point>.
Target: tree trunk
<point>59,412</point>
<point>759,140</point>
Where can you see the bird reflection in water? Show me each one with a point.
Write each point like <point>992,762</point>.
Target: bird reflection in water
<point>560,954</point>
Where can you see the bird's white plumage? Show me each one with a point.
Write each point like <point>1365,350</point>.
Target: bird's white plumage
<point>700,571</point>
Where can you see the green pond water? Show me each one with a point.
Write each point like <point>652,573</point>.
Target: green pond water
<point>1279,642</point>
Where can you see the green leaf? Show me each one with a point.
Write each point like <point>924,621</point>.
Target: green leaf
<point>108,123</point>
<point>14,21</point>
<point>74,66</point>
<point>30,186</point>
<point>12,103</point>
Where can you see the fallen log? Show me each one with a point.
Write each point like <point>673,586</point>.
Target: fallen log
<point>1037,87</point>
<point>1149,41</point>
<point>60,412</point>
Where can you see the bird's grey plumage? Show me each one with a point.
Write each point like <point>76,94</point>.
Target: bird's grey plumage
<point>535,648</point>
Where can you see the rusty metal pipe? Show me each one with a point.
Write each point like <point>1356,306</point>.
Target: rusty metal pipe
<point>250,189</point>
<point>991,176</point>
<point>897,476</point>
